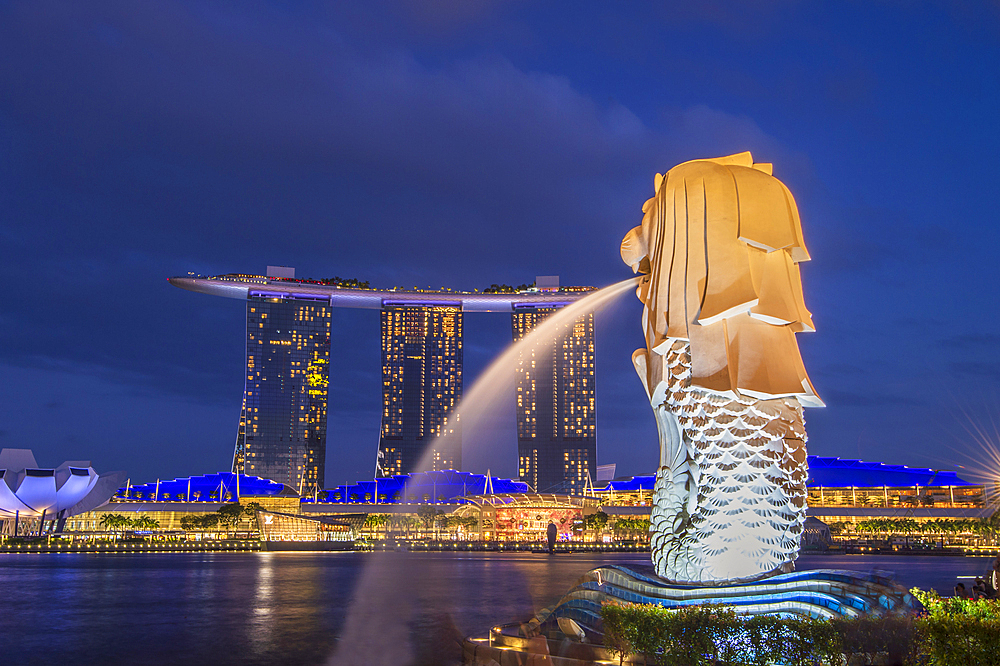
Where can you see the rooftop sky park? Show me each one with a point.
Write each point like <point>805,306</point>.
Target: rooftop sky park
<point>352,293</point>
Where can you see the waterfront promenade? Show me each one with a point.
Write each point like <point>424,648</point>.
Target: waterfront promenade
<point>42,545</point>
<point>57,546</point>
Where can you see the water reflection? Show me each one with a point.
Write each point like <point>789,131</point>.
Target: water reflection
<point>289,608</point>
<point>261,623</point>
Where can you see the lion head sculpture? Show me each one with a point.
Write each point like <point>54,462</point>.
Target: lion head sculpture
<point>721,242</point>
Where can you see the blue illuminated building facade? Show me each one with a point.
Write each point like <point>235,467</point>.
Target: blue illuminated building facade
<point>846,489</point>
<point>846,473</point>
<point>220,487</point>
<point>435,487</point>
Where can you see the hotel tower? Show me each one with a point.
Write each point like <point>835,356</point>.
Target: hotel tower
<point>556,404</point>
<point>421,384</point>
<point>282,429</point>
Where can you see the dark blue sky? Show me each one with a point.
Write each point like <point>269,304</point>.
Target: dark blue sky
<point>464,143</point>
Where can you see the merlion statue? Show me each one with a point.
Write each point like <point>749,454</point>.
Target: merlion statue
<point>720,244</point>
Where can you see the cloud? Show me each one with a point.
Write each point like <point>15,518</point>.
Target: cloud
<point>144,140</point>
<point>695,129</point>
<point>204,133</point>
<point>971,342</point>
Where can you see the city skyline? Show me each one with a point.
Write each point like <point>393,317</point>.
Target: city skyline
<point>428,169</point>
<point>282,426</point>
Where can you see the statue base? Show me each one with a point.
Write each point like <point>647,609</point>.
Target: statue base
<point>571,633</point>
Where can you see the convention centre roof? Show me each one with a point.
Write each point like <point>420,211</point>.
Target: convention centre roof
<point>422,487</point>
<point>529,500</point>
<point>218,487</point>
<point>846,473</point>
<point>337,295</point>
<point>840,473</point>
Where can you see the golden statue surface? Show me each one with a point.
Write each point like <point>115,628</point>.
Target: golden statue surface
<point>721,243</point>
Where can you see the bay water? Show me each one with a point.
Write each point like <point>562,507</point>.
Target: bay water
<point>289,608</point>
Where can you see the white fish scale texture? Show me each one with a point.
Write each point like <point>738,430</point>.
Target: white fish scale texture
<point>747,459</point>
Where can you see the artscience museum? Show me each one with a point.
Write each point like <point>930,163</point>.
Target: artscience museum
<point>36,500</point>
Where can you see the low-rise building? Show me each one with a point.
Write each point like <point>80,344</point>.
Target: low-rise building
<point>35,501</point>
<point>843,490</point>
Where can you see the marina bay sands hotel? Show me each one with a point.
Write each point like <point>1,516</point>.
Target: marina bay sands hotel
<point>282,427</point>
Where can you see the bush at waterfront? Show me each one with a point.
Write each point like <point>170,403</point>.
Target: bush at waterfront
<point>950,632</point>
<point>702,635</point>
<point>958,631</point>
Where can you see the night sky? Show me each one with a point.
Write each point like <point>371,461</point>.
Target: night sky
<point>457,143</point>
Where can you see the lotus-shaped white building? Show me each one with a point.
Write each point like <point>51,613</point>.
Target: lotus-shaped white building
<point>31,492</point>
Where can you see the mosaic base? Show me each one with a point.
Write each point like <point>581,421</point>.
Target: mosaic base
<point>820,593</point>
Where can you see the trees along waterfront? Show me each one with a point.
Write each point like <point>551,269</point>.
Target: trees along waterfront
<point>379,525</point>
<point>632,528</point>
<point>117,524</point>
<point>375,521</point>
<point>596,521</point>
<point>970,527</point>
<point>228,516</point>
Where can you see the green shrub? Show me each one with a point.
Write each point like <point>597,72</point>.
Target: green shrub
<point>953,640</point>
<point>803,641</point>
<point>871,636</point>
<point>950,632</point>
<point>958,631</point>
<point>703,635</point>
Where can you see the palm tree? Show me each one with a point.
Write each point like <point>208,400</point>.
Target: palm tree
<point>117,523</point>
<point>109,521</point>
<point>371,522</point>
<point>147,523</point>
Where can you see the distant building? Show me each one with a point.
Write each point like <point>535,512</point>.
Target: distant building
<point>846,490</point>
<point>556,402</point>
<point>421,384</point>
<point>435,487</point>
<point>205,488</point>
<point>282,429</point>
<point>526,516</point>
<point>169,501</point>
